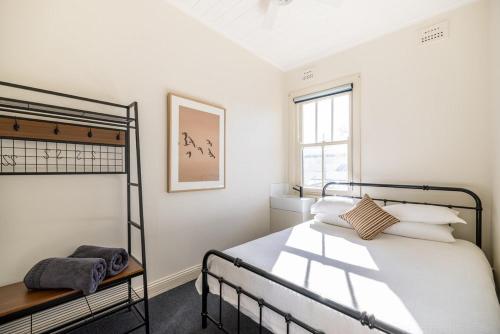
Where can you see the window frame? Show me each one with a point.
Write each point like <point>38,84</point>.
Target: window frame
<point>353,142</point>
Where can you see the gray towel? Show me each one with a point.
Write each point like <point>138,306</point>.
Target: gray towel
<point>116,258</point>
<point>65,273</point>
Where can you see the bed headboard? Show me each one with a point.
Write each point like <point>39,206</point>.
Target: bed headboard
<point>478,207</point>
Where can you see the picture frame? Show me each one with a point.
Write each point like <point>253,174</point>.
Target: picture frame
<point>196,145</point>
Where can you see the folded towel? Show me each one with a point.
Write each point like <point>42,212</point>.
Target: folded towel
<point>66,273</point>
<point>116,258</point>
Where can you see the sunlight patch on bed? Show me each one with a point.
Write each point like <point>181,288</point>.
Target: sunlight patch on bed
<point>358,255</point>
<point>376,297</point>
<point>306,239</point>
<point>331,282</point>
<point>292,267</point>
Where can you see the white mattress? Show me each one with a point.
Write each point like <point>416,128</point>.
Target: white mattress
<point>417,285</point>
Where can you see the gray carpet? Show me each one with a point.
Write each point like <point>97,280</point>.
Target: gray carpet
<point>176,311</point>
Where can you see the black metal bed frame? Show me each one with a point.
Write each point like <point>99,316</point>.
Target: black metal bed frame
<point>364,318</point>
<point>43,111</point>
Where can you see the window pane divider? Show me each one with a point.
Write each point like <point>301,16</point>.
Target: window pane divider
<point>329,143</point>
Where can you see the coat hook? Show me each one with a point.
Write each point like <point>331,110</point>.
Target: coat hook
<point>16,125</point>
<point>90,134</point>
<point>56,130</point>
<point>118,136</point>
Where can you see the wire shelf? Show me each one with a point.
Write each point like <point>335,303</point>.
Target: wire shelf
<point>74,312</point>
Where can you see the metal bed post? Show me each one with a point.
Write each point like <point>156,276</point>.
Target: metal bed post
<point>204,294</point>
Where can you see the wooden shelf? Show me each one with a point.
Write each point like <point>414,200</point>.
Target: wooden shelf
<point>17,299</point>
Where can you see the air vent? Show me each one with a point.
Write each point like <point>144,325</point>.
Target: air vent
<point>307,75</point>
<point>437,32</point>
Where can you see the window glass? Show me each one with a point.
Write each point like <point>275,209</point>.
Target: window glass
<point>324,120</point>
<point>341,117</point>
<point>309,123</point>
<point>336,163</point>
<point>312,169</point>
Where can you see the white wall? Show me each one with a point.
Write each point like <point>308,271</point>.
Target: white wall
<point>425,119</point>
<point>494,11</point>
<point>125,50</point>
<point>424,114</point>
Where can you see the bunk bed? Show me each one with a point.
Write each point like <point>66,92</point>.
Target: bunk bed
<point>47,139</point>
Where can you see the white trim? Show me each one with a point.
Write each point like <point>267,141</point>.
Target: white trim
<point>169,282</point>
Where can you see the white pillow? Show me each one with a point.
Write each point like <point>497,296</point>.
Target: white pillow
<point>443,233</point>
<point>331,219</point>
<point>333,205</point>
<point>433,232</point>
<point>420,213</point>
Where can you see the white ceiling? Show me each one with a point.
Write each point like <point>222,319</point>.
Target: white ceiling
<point>307,30</point>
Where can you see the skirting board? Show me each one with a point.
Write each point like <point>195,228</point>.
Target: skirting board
<point>171,281</point>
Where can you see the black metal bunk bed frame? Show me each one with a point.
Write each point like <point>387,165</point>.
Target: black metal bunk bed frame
<point>80,117</point>
<point>364,318</point>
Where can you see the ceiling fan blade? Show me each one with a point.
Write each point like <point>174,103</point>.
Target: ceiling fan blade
<point>271,14</point>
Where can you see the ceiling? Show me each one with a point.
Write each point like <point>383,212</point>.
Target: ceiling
<point>306,30</point>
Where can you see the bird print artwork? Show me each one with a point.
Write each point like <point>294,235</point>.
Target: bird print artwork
<point>186,143</point>
<point>200,148</point>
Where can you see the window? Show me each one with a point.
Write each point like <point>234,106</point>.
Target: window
<point>325,150</point>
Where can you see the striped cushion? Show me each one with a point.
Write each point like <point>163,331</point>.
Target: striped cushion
<point>368,219</point>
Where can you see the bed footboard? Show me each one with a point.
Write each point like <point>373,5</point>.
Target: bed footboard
<point>364,318</point>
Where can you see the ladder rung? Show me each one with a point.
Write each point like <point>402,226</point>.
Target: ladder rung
<point>134,184</point>
<point>135,224</point>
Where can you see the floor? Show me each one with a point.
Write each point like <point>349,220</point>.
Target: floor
<point>175,312</point>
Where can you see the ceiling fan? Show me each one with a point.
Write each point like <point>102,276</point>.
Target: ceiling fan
<point>271,8</point>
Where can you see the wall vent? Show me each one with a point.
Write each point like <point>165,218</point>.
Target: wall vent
<point>307,75</point>
<point>437,32</point>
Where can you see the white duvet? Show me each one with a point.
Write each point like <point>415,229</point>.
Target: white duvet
<point>417,285</point>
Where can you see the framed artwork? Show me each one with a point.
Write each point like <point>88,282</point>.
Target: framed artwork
<point>196,145</point>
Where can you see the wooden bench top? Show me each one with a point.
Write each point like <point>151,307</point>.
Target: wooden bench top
<point>17,298</point>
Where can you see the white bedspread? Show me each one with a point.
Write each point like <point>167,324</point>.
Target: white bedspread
<point>416,285</point>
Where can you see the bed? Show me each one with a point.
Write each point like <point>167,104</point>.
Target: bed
<point>320,278</point>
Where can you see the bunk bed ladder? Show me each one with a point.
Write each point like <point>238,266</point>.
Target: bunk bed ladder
<point>132,224</point>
